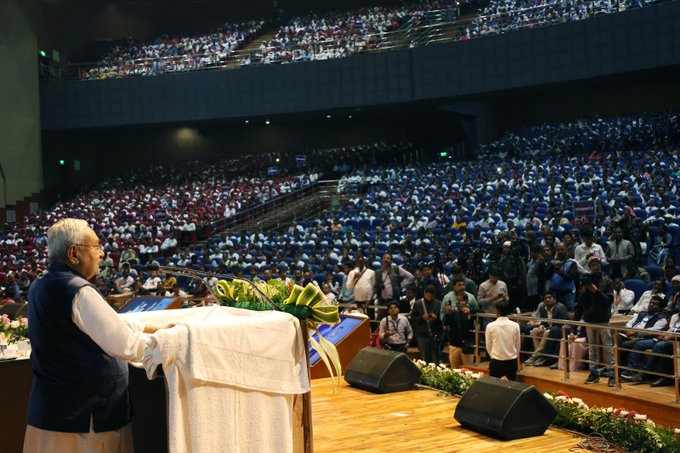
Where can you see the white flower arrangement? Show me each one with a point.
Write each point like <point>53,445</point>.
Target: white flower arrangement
<point>12,331</point>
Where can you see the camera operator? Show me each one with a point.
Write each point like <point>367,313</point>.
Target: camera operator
<point>456,313</point>
<point>395,330</point>
<point>594,306</point>
<point>390,280</point>
<point>563,274</point>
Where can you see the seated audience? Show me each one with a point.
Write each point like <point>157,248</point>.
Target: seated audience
<point>546,335</point>
<point>623,298</point>
<point>653,319</point>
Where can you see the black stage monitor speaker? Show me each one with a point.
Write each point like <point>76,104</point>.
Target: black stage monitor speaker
<point>504,409</point>
<point>382,371</point>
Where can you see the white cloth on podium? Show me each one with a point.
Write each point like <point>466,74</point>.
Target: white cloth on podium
<point>231,375</point>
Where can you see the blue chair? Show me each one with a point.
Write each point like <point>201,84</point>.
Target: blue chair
<point>637,286</point>
<point>674,231</point>
<point>654,271</point>
<point>319,278</point>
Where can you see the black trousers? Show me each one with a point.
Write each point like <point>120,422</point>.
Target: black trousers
<point>500,368</point>
<point>396,347</point>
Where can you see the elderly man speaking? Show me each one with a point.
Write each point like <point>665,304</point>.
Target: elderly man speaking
<point>79,398</point>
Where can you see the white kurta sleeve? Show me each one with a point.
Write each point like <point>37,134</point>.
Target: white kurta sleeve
<point>123,339</point>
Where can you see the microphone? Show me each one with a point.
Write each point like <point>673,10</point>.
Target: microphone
<point>203,278</point>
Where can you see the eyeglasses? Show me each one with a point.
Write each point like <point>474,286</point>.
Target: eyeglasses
<point>99,246</point>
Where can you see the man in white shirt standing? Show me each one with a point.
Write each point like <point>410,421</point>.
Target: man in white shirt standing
<point>362,280</point>
<point>588,248</point>
<point>503,343</point>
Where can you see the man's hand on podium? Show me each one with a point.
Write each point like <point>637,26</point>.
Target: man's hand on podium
<point>150,328</point>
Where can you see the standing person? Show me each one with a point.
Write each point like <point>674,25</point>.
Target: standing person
<point>346,295</point>
<point>427,323</point>
<point>563,274</point>
<point>535,278</point>
<point>390,280</point>
<point>513,272</point>
<point>428,279</point>
<point>492,291</point>
<point>79,396</point>
<point>408,301</point>
<point>620,254</point>
<point>457,309</point>
<point>503,342</point>
<point>588,248</point>
<point>395,329</point>
<point>362,280</point>
<point>594,307</point>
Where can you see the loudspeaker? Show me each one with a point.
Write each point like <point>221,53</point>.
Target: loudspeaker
<point>504,409</point>
<point>382,371</point>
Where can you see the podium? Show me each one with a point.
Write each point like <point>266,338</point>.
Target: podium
<point>350,336</point>
<point>236,388</point>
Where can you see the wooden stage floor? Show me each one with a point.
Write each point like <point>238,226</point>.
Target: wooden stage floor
<point>419,420</point>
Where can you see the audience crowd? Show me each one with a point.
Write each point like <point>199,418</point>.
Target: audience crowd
<point>335,34</point>
<point>338,34</point>
<point>174,53</point>
<point>501,16</point>
<point>549,219</point>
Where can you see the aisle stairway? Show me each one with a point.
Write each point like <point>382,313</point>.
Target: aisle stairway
<point>280,217</point>
<point>251,47</point>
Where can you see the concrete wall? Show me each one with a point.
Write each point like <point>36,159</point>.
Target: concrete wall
<point>20,149</point>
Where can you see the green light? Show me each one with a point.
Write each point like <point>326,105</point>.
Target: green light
<point>443,154</point>
<point>43,54</point>
<point>62,162</point>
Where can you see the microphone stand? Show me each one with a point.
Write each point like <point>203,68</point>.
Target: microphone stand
<point>203,278</point>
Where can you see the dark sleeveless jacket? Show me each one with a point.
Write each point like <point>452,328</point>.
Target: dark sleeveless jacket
<point>395,279</point>
<point>73,378</point>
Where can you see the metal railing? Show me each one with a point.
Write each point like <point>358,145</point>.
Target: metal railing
<point>226,223</point>
<point>566,327</point>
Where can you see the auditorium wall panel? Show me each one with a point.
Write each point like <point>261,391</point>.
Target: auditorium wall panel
<point>636,40</point>
<point>20,151</point>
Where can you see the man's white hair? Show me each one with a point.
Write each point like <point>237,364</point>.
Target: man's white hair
<point>62,235</point>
